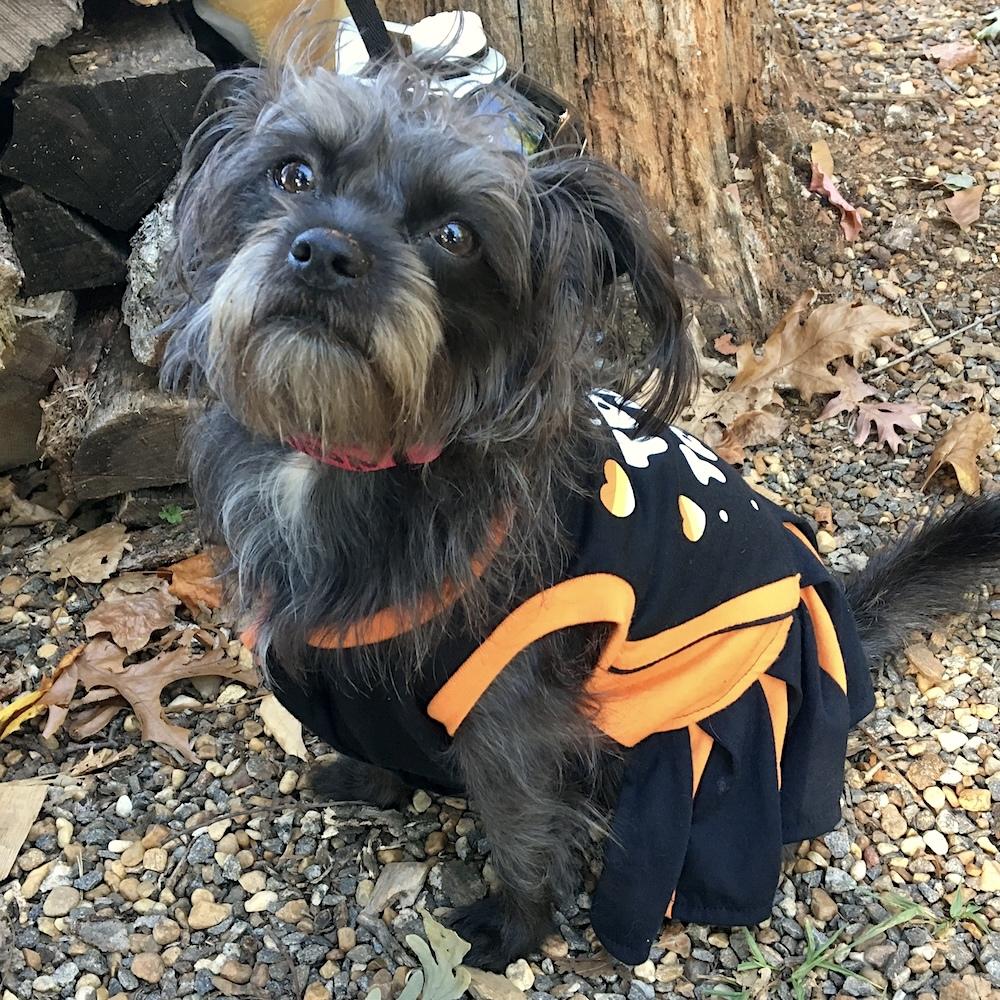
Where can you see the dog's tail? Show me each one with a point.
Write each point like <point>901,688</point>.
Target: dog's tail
<point>929,574</point>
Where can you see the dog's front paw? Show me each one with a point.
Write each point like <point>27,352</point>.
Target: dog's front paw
<point>496,938</point>
<point>347,780</point>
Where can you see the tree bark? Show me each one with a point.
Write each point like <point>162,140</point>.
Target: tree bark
<point>671,93</point>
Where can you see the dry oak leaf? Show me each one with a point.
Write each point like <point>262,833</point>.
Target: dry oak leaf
<point>954,55</point>
<point>91,558</point>
<point>960,447</point>
<point>21,513</point>
<point>98,667</point>
<point>132,618</point>
<point>823,182</point>
<point>853,390</point>
<point>797,354</point>
<point>964,206</point>
<point>195,581</point>
<point>748,429</point>
<point>885,418</point>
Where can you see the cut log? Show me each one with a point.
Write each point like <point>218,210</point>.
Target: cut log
<point>26,24</point>
<point>58,248</point>
<point>37,345</point>
<point>101,119</point>
<point>113,431</point>
<point>142,310</point>
<point>11,276</point>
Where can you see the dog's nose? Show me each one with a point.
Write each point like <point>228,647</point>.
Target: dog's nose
<point>328,257</point>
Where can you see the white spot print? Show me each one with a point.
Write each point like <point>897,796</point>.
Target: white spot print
<point>724,516</point>
<point>635,451</point>
<point>755,505</point>
<point>694,444</point>
<point>703,471</point>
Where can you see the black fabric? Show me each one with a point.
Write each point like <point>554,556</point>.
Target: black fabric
<point>717,855</point>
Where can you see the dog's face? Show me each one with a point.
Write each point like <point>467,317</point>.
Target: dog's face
<point>368,263</point>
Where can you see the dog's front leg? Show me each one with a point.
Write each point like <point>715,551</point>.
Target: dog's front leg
<point>527,753</point>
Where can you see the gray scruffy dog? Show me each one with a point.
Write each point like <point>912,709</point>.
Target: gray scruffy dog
<point>391,315</point>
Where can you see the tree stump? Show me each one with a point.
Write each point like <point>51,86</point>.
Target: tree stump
<point>674,94</point>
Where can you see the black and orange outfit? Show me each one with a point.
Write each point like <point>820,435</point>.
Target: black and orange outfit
<point>732,675</point>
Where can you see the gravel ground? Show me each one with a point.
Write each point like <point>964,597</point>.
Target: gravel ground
<point>155,879</point>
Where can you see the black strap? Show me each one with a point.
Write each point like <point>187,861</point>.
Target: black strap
<point>371,28</point>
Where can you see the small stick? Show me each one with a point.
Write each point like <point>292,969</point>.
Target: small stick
<point>933,343</point>
<point>880,97</point>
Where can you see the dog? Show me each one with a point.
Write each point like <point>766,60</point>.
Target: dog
<point>415,406</point>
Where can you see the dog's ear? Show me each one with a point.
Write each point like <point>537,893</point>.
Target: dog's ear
<point>592,228</point>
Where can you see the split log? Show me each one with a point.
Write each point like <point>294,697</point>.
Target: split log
<point>59,249</point>
<point>142,310</point>
<point>11,276</point>
<point>112,430</point>
<point>27,24</point>
<point>37,344</point>
<point>101,119</point>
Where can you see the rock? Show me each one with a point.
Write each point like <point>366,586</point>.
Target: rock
<point>45,985</point>
<point>822,906</point>
<point>61,900</point>
<point>836,880</point>
<point>951,741</point>
<point>421,801</point>
<point>520,974</point>
<point>935,798</point>
<point>892,822</point>
<point>254,881</point>
<point>838,842</point>
<point>106,935</point>
<point>293,911</point>
<point>123,807</point>
<point>147,967</point>
<point>967,988</point>
<point>936,842</point>
<point>347,938</point>
<point>975,799</point>
<point>316,991</point>
<point>205,914</point>
<point>926,770</point>
<point>166,931</point>
<point>825,542</point>
<point>989,880</point>
<point>646,972</point>
<point>260,901</point>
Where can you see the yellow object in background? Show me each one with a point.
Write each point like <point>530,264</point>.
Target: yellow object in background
<point>250,25</point>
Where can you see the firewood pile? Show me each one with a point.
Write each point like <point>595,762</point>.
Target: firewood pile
<point>97,99</point>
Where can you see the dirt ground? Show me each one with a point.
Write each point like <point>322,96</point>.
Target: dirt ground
<point>150,876</point>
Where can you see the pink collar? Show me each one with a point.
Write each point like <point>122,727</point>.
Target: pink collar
<point>359,460</point>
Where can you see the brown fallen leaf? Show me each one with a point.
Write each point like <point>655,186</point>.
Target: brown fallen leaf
<point>823,182</point>
<point>964,206</point>
<point>97,666</point>
<point>130,583</point>
<point>853,390</point>
<point>885,418</point>
<point>20,803</point>
<point>195,580</point>
<point>282,726</point>
<point>954,55</point>
<point>959,447</point>
<point>21,513</point>
<point>91,558</point>
<point>131,618</point>
<point>98,760</point>
<point>797,354</point>
<point>751,428</point>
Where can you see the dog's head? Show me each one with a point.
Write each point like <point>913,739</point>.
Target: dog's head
<point>368,263</point>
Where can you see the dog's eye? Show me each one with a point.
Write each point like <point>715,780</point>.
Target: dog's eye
<point>456,237</point>
<point>295,176</point>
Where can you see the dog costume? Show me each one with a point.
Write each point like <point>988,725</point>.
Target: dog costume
<point>731,676</point>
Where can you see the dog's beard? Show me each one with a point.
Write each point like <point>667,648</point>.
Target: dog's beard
<point>362,385</point>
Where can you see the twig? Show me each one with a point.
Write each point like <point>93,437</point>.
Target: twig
<point>293,969</point>
<point>374,924</point>
<point>881,97</point>
<point>935,341</point>
<point>873,745</point>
